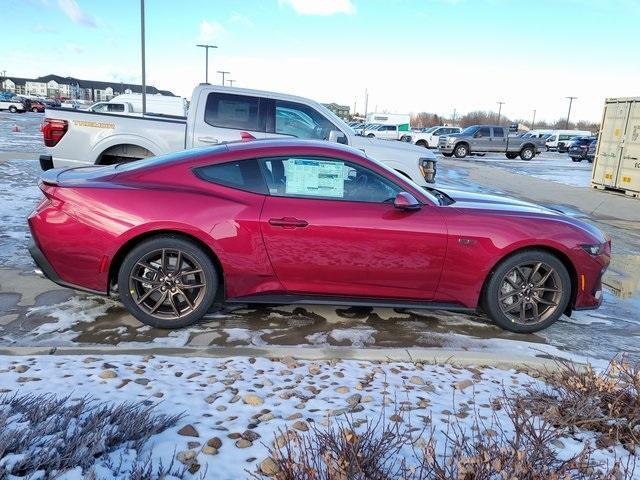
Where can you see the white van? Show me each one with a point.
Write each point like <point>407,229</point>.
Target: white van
<point>131,104</point>
<point>564,136</point>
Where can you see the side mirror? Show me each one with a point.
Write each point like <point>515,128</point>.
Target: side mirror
<point>336,136</point>
<point>406,201</point>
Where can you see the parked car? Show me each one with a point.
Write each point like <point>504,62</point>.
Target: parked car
<point>488,138</point>
<point>591,151</point>
<point>385,132</point>
<point>13,104</point>
<point>563,136</point>
<point>217,115</point>
<point>37,106</point>
<point>579,148</point>
<point>564,146</point>
<point>290,221</point>
<point>429,137</point>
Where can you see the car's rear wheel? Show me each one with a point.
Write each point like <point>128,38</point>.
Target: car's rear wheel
<point>422,143</point>
<point>461,150</point>
<point>13,109</point>
<point>528,291</point>
<point>167,282</point>
<point>511,156</point>
<point>527,153</point>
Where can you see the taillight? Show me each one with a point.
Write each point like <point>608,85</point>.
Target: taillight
<point>53,130</point>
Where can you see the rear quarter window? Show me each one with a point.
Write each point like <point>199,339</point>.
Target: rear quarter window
<point>240,174</point>
<point>232,111</point>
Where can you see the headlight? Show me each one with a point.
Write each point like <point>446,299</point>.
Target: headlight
<point>428,169</point>
<point>451,139</point>
<point>594,250</point>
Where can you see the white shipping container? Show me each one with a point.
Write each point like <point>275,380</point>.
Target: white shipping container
<point>617,160</point>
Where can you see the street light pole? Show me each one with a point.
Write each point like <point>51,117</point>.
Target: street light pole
<point>144,77</point>
<point>533,122</point>
<point>571,99</point>
<point>499,110</point>
<point>223,73</point>
<point>206,60</point>
<point>230,82</point>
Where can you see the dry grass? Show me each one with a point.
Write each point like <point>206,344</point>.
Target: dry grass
<point>605,402</point>
<point>42,436</point>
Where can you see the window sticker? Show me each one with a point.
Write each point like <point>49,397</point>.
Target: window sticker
<point>314,178</point>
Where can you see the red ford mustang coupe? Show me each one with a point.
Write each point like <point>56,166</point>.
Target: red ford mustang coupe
<point>306,222</point>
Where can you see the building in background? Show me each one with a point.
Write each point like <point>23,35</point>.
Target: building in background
<point>55,86</point>
<point>340,110</point>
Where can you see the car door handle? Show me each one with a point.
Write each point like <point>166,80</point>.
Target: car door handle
<point>207,140</point>
<point>288,222</point>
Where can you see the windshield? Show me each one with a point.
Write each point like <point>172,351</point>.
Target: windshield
<point>470,130</point>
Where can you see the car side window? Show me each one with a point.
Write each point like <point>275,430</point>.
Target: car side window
<point>232,111</point>
<point>239,174</point>
<point>326,178</point>
<point>498,132</point>
<point>483,132</point>
<point>115,107</point>
<point>301,121</point>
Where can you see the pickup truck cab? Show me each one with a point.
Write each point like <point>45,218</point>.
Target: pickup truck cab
<point>216,115</point>
<point>488,139</point>
<point>428,138</point>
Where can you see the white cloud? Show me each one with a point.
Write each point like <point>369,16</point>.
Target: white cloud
<point>72,10</point>
<point>320,7</point>
<point>240,19</point>
<point>210,31</point>
<point>75,48</point>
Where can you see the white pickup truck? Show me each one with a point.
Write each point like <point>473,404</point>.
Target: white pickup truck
<point>428,137</point>
<point>216,115</point>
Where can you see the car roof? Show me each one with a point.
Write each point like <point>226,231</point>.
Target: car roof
<point>278,144</point>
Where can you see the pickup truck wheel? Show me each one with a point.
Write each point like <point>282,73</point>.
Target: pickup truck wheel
<point>527,153</point>
<point>511,156</point>
<point>447,154</point>
<point>422,143</point>
<point>461,150</point>
<point>371,135</point>
<point>13,109</point>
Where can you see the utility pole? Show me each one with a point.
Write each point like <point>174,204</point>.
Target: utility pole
<point>533,122</point>
<point>566,124</point>
<point>454,117</point>
<point>206,60</point>
<point>230,82</point>
<point>144,75</point>
<point>366,104</point>
<point>223,73</point>
<point>500,110</point>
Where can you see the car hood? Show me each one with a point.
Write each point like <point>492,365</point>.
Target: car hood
<point>504,204</point>
<point>371,145</point>
<point>485,201</point>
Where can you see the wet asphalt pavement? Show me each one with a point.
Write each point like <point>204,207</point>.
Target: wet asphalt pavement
<point>35,312</point>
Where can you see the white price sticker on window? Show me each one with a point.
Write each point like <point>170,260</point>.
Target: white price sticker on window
<point>315,178</point>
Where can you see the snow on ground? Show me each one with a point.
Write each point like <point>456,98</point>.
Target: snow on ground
<point>27,138</point>
<point>246,402</point>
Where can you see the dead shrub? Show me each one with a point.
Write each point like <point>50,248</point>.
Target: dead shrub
<point>605,402</point>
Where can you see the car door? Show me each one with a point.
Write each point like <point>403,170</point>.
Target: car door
<point>330,228</point>
<point>482,140</point>
<point>498,140</point>
<point>222,117</point>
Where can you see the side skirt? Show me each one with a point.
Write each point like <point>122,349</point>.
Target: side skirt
<point>289,299</point>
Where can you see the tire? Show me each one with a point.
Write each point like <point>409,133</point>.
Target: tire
<point>422,143</point>
<point>371,135</point>
<point>576,159</point>
<point>142,288</point>
<point>447,154</point>
<point>511,156</point>
<point>461,150</point>
<point>13,109</point>
<point>527,153</point>
<point>506,310</point>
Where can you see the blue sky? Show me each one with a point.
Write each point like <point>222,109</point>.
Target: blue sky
<point>411,55</point>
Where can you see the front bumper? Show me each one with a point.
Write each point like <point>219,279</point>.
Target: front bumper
<point>44,269</point>
<point>446,148</point>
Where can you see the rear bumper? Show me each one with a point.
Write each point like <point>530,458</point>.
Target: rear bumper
<point>45,269</point>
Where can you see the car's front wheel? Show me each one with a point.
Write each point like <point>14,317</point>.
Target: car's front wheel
<point>461,150</point>
<point>527,292</point>
<point>511,156</point>
<point>13,109</point>
<point>167,282</point>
